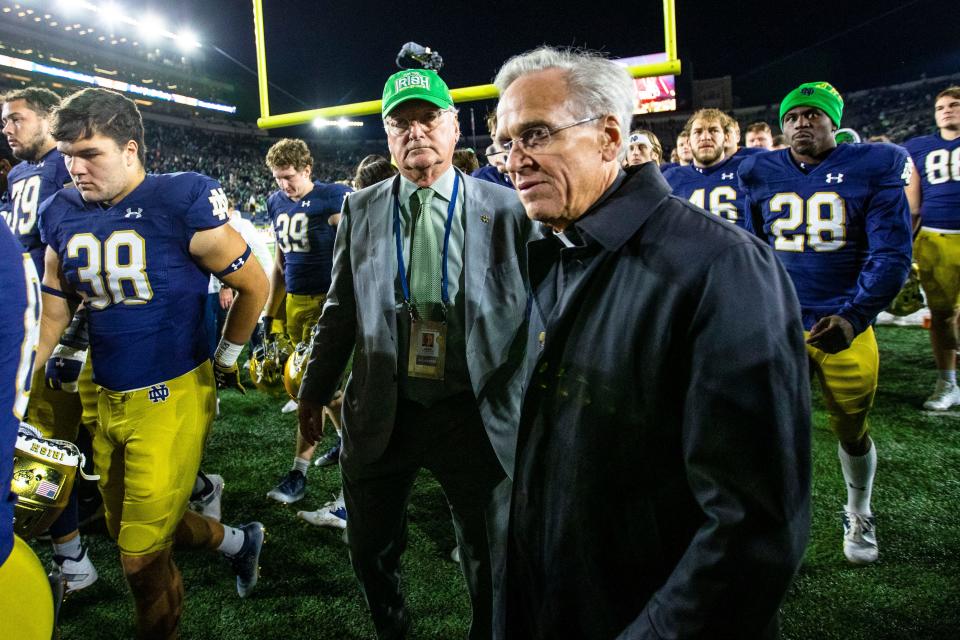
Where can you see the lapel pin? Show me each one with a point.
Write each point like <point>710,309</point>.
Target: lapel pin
<point>484,219</point>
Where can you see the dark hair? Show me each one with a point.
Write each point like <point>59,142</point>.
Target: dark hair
<point>94,111</point>
<point>41,101</point>
<point>373,172</point>
<point>466,160</point>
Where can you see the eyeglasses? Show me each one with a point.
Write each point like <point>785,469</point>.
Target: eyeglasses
<point>538,138</point>
<point>428,121</point>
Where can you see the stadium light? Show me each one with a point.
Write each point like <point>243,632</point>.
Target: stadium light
<point>186,40</point>
<point>151,28</point>
<point>341,123</point>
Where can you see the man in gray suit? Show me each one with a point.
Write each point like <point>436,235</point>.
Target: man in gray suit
<point>428,295</point>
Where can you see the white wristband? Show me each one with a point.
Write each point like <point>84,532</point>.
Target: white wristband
<point>227,353</point>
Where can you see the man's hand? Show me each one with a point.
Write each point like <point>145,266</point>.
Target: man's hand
<point>64,367</point>
<point>311,420</point>
<point>226,297</point>
<point>831,334</point>
<point>228,377</point>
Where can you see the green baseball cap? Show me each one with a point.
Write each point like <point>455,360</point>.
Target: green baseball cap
<point>415,84</point>
<point>821,95</point>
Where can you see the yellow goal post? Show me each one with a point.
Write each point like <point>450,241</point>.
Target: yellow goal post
<point>671,66</point>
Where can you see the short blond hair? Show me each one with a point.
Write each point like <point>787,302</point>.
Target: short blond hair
<point>289,152</point>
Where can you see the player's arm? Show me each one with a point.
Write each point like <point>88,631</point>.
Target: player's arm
<point>224,253</point>
<point>59,304</point>
<point>335,337</point>
<point>746,453</point>
<point>889,250</point>
<point>278,289</point>
<point>915,199</point>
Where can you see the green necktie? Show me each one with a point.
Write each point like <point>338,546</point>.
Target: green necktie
<point>424,257</point>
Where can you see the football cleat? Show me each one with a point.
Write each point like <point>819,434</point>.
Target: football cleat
<point>331,457</point>
<point>246,563</point>
<point>208,503</point>
<point>78,573</point>
<point>290,407</point>
<point>859,538</point>
<point>455,554</point>
<point>945,395</point>
<point>333,514</point>
<point>292,488</point>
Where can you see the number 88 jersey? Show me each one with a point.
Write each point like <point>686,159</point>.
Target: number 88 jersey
<point>937,163</point>
<point>131,264</point>
<point>305,237</point>
<point>842,229</point>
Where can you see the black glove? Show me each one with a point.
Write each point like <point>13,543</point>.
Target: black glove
<point>64,367</point>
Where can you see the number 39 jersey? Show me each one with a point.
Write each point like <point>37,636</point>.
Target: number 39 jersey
<point>842,230</point>
<point>132,266</point>
<point>29,184</point>
<point>937,163</point>
<point>712,188</point>
<point>304,236</point>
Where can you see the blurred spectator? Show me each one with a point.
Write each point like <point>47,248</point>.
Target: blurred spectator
<point>466,160</point>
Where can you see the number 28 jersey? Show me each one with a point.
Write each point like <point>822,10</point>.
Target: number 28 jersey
<point>304,236</point>
<point>132,266</point>
<point>29,184</point>
<point>842,230</point>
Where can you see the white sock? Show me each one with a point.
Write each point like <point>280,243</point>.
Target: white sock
<point>232,541</point>
<point>69,549</point>
<point>301,465</point>
<point>858,473</point>
<point>949,375</point>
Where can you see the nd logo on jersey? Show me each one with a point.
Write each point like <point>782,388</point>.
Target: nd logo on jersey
<point>158,393</point>
<point>219,203</point>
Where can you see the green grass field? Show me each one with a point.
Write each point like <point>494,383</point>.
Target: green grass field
<point>307,588</point>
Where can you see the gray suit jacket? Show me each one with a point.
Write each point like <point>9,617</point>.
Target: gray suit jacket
<point>361,311</point>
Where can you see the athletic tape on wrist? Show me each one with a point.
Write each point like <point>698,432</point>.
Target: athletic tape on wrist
<point>227,353</point>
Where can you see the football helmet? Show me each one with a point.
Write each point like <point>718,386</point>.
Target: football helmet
<point>267,362</point>
<point>910,299</point>
<point>293,369</point>
<point>43,474</point>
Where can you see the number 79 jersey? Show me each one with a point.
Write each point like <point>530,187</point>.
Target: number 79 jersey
<point>131,264</point>
<point>305,237</point>
<point>842,230</point>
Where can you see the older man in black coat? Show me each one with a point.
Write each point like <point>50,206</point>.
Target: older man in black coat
<point>663,465</point>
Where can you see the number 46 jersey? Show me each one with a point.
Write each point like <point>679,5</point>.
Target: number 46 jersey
<point>842,230</point>
<point>132,266</point>
<point>305,237</point>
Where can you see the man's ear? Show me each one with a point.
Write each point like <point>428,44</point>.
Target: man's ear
<point>612,138</point>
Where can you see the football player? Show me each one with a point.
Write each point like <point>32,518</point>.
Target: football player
<point>935,205</point>
<point>138,250</point>
<point>759,136</point>
<point>30,613</point>
<point>55,408</point>
<point>731,145</point>
<point>711,181</point>
<point>684,152</point>
<point>644,147</point>
<point>838,218</point>
<point>300,211</point>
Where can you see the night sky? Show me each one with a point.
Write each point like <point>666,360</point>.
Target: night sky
<point>327,53</point>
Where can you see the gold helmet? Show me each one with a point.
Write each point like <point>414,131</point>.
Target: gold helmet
<point>43,474</point>
<point>910,299</point>
<point>267,363</point>
<point>293,370</point>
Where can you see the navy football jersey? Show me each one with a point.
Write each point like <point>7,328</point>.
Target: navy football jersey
<point>28,185</point>
<point>715,188</point>
<point>19,331</point>
<point>304,236</point>
<point>132,266</point>
<point>937,166</point>
<point>842,230</point>
<point>744,152</point>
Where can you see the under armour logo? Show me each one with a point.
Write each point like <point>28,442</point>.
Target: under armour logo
<point>834,178</point>
<point>305,203</point>
<point>726,176</point>
<point>40,164</point>
<point>158,393</point>
<point>134,214</point>
<point>236,264</point>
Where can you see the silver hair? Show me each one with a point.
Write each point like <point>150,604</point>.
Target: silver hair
<point>598,86</point>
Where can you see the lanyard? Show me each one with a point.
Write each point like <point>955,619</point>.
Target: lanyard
<point>404,283</point>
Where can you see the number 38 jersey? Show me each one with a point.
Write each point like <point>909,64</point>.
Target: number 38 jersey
<point>132,266</point>
<point>29,184</point>
<point>937,161</point>
<point>842,230</point>
<point>712,188</point>
<point>304,236</point>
